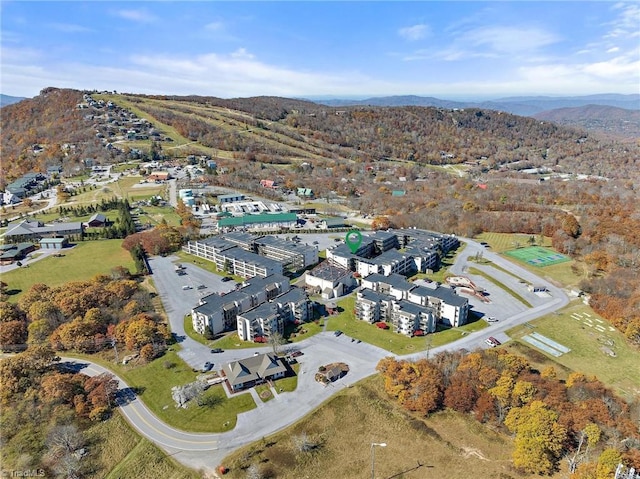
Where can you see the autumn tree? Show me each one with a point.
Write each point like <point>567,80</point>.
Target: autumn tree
<point>13,334</point>
<point>538,437</point>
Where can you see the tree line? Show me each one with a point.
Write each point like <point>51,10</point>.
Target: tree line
<point>577,421</point>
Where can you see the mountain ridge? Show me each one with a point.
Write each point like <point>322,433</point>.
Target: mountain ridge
<point>518,105</point>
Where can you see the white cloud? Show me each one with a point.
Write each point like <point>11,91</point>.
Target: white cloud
<point>415,32</point>
<point>140,16</point>
<point>69,28</point>
<point>508,40</point>
<point>214,26</point>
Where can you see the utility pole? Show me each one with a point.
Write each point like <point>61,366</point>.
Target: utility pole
<point>373,457</point>
<point>115,348</point>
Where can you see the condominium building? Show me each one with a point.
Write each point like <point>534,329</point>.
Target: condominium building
<point>409,307</point>
<point>219,313</point>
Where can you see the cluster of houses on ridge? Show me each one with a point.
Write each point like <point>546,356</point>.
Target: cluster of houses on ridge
<point>267,301</point>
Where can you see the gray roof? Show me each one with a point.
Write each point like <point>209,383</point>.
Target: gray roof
<point>284,244</point>
<point>98,217</point>
<point>259,283</point>
<point>252,258</point>
<point>30,228</point>
<point>253,368</point>
<point>389,257</point>
<point>396,280</point>
<point>263,310</point>
<point>215,303</point>
<point>217,243</point>
<point>372,295</point>
<point>381,235</point>
<point>413,308</point>
<point>239,237</point>
<point>294,295</point>
<point>444,293</point>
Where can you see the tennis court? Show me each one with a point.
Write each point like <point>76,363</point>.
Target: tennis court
<point>537,256</point>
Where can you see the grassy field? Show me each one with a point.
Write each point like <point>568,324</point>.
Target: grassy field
<point>153,382</point>
<point>387,339</point>
<point>155,214</point>
<point>82,262</point>
<point>589,347</point>
<point>445,444</point>
<point>116,451</point>
<point>501,242</point>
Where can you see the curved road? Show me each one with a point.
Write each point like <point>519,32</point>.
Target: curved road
<point>207,450</point>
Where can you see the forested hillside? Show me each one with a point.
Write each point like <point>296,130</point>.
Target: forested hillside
<point>462,171</point>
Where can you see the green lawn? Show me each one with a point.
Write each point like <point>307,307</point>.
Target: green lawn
<point>155,214</point>
<point>589,347</point>
<point>289,383</point>
<point>389,340</point>
<point>232,341</point>
<point>82,262</point>
<point>154,382</point>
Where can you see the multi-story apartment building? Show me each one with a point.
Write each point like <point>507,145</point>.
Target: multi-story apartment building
<point>232,259</point>
<point>261,255</point>
<point>408,306</point>
<point>407,318</point>
<point>219,313</point>
<point>272,316</point>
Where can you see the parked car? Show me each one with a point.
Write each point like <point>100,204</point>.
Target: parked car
<point>295,354</point>
<point>337,333</point>
<point>492,319</point>
<point>217,350</point>
<point>202,286</point>
<point>207,367</point>
<point>186,286</point>
<point>493,342</point>
<point>227,278</point>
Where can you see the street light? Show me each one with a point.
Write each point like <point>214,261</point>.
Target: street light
<point>373,456</point>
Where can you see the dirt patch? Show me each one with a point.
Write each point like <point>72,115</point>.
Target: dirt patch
<point>472,452</point>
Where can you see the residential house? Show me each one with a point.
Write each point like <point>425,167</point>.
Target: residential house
<point>248,372</point>
<point>97,220</point>
<point>10,253</point>
<point>24,230</point>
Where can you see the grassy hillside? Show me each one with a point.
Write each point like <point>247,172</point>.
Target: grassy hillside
<point>81,262</point>
<point>115,451</point>
<point>443,445</point>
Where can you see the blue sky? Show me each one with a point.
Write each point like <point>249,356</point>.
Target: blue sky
<point>453,49</point>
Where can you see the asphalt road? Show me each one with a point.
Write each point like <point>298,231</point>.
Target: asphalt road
<point>208,450</point>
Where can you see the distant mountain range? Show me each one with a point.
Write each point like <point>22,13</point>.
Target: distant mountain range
<point>523,106</point>
<point>9,100</point>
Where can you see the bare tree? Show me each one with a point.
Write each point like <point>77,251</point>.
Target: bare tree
<point>276,340</point>
<point>63,440</point>
<point>303,443</point>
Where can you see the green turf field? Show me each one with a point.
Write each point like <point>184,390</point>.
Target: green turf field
<point>537,256</point>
